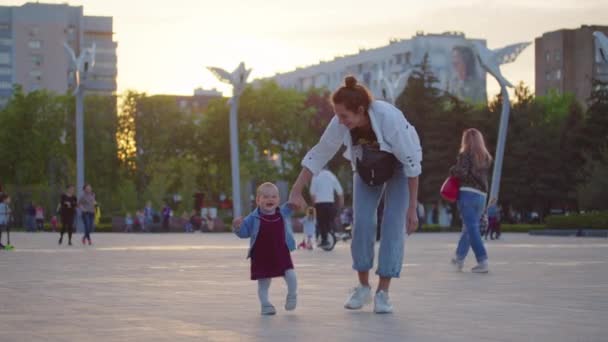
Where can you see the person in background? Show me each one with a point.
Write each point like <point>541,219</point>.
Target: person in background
<point>309,224</point>
<point>39,218</point>
<point>5,214</point>
<point>472,168</point>
<point>421,214</point>
<point>87,208</point>
<point>323,190</point>
<point>54,223</point>
<point>67,212</point>
<point>128,223</point>
<point>493,220</point>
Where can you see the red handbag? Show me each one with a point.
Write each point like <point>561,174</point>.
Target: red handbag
<point>449,189</point>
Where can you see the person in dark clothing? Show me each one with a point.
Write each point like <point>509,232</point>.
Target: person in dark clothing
<point>67,211</point>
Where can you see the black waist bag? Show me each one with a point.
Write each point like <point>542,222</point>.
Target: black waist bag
<point>375,167</point>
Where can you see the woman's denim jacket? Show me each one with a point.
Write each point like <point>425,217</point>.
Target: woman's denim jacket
<point>251,227</point>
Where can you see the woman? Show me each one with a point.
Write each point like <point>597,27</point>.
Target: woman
<point>472,167</point>
<point>67,211</point>
<point>87,207</point>
<point>385,154</point>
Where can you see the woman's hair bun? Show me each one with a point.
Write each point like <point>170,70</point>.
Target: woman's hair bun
<point>350,82</point>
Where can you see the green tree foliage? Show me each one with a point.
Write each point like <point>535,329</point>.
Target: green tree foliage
<point>596,126</point>
<point>593,193</point>
<point>31,127</point>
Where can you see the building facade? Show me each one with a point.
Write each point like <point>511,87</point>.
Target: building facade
<point>32,52</point>
<point>450,58</point>
<point>567,61</point>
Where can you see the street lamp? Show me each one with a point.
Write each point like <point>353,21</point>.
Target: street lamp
<point>601,44</point>
<point>490,61</point>
<point>389,88</point>
<point>81,66</point>
<point>238,80</point>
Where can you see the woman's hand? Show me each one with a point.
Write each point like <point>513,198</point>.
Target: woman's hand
<point>296,199</point>
<point>412,221</point>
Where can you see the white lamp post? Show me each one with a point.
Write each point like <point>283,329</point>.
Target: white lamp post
<point>238,80</point>
<point>601,44</point>
<point>81,66</point>
<point>490,61</point>
<point>390,88</point>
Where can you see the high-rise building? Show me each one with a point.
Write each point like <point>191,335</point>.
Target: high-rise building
<point>567,61</point>
<point>450,57</point>
<point>32,52</point>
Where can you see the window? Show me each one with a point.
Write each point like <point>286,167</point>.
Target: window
<point>6,71</point>
<point>37,60</point>
<point>35,44</point>
<point>558,74</point>
<point>6,41</point>
<point>547,56</point>
<point>548,76</point>
<point>558,56</point>
<point>5,26</point>
<point>108,51</point>
<point>36,74</point>
<point>70,30</point>
<point>105,65</point>
<point>34,31</point>
<point>5,85</point>
<point>398,59</point>
<point>5,58</point>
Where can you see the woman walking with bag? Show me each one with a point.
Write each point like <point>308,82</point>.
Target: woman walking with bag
<point>385,154</point>
<point>472,168</point>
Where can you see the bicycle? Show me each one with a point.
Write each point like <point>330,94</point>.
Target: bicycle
<point>333,236</point>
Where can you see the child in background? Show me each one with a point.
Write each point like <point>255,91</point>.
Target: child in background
<point>493,220</point>
<point>141,218</point>
<point>271,240</point>
<point>5,214</point>
<point>54,223</point>
<point>39,218</point>
<point>128,223</point>
<point>185,220</point>
<point>309,223</point>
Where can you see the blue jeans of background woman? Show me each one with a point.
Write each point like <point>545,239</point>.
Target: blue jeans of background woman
<point>471,205</point>
<point>366,199</point>
<point>87,220</point>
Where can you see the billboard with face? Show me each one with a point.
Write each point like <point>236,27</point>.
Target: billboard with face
<point>456,68</point>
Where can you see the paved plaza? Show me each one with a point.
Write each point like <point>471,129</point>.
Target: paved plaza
<point>195,287</point>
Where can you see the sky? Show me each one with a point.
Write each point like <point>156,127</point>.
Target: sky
<point>164,46</point>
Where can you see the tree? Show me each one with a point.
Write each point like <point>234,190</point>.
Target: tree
<point>596,125</point>
<point>593,194</point>
<point>437,122</point>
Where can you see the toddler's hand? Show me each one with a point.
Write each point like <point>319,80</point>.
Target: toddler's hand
<point>237,222</point>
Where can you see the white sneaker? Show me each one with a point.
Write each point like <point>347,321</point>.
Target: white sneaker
<point>482,267</point>
<point>290,302</point>
<point>459,264</point>
<point>382,304</point>
<point>360,296</point>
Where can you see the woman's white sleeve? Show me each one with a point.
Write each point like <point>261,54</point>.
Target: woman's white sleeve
<point>405,144</point>
<point>326,148</point>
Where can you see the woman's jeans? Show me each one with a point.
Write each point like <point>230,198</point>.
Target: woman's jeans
<point>87,219</point>
<point>471,206</point>
<point>366,199</point>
